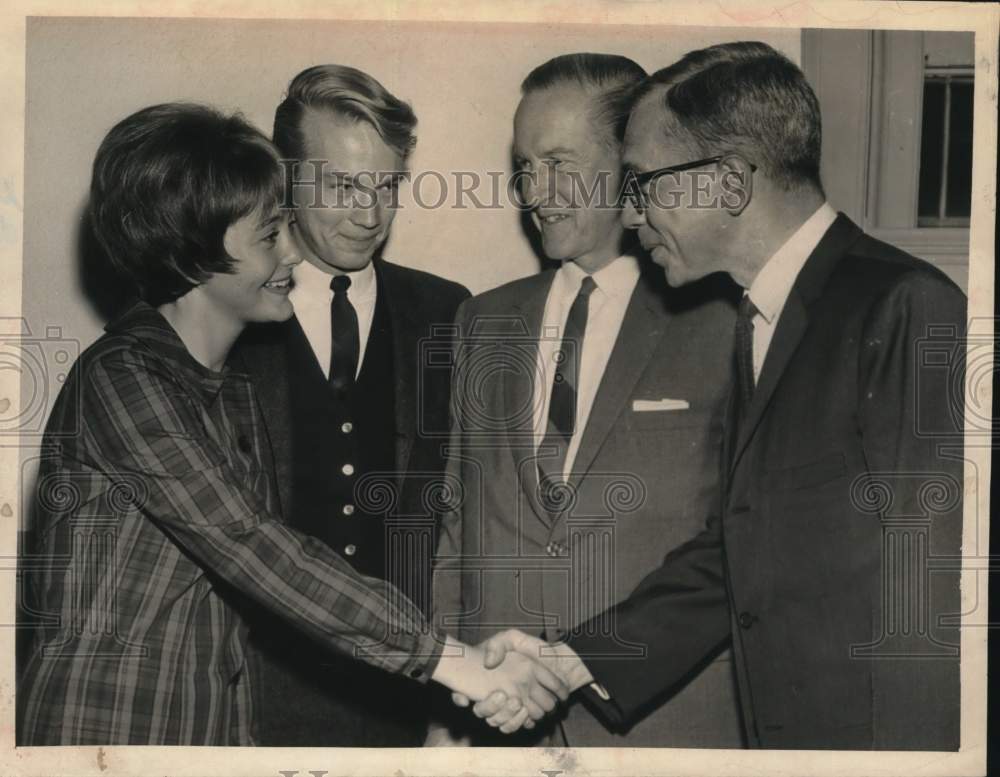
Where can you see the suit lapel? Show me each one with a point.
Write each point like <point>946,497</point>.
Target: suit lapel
<point>518,388</point>
<point>405,343</point>
<point>791,327</point>
<point>640,334</point>
<point>793,322</point>
<point>264,358</point>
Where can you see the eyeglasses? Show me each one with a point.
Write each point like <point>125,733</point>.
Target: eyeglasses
<point>636,189</point>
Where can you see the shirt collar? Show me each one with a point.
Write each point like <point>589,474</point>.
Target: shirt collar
<point>147,325</point>
<point>771,287</point>
<point>616,279</point>
<point>315,282</point>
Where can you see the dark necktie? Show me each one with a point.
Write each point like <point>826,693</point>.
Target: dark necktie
<point>344,346</point>
<point>744,350</point>
<point>562,404</point>
<point>743,356</point>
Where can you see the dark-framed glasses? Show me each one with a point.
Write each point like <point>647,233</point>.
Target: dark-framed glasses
<point>636,188</point>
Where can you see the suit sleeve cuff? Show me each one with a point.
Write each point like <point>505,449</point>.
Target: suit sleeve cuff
<point>612,677</point>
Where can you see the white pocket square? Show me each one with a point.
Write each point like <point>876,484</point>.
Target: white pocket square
<point>654,405</point>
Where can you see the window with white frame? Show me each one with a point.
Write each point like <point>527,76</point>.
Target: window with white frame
<point>897,135</point>
<point>945,186</point>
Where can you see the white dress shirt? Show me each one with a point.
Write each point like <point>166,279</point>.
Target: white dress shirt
<point>770,289</point>
<point>311,296</point>
<point>606,309</point>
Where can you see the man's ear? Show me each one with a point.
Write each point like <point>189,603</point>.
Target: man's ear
<point>736,184</point>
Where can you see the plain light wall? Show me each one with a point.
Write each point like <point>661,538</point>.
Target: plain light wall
<point>463,80</point>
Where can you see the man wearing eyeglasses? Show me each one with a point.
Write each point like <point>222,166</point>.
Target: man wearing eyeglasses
<point>831,565</point>
<point>594,452</point>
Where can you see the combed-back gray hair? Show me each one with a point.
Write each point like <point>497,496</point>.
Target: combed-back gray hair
<point>612,78</point>
<point>746,98</point>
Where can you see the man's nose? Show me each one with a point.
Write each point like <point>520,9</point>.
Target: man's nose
<point>632,217</point>
<point>367,214</point>
<point>545,185</point>
<point>527,182</point>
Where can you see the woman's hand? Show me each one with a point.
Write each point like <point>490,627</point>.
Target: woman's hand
<point>531,689</point>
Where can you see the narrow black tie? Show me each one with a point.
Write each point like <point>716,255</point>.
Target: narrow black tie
<point>344,346</point>
<point>562,403</point>
<point>744,350</point>
<point>743,359</point>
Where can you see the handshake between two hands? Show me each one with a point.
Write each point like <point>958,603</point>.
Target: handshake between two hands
<point>513,678</point>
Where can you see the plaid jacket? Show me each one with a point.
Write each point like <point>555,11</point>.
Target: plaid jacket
<point>156,526</point>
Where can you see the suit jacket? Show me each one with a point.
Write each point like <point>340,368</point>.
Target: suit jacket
<point>338,702</point>
<point>832,564</point>
<point>642,484</point>
<point>417,301</point>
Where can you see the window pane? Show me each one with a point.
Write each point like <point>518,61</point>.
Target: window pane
<point>960,151</point>
<point>931,149</point>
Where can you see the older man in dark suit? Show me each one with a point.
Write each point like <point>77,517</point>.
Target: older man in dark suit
<point>353,420</point>
<point>831,562</point>
<point>588,408</point>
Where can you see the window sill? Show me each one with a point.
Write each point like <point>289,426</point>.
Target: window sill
<point>941,245</point>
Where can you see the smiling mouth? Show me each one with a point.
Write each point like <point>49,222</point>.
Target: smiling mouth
<point>553,218</point>
<point>359,241</point>
<point>283,285</point>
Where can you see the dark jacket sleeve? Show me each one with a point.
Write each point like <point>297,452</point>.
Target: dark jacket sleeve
<point>911,423</point>
<point>643,646</point>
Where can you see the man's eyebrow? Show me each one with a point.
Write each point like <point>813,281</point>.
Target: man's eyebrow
<point>559,151</point>
<point>368,176</point>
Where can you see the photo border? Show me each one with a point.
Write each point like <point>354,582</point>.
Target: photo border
<point>983,19</point>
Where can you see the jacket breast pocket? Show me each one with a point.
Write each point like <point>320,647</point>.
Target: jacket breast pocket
<point>666,420</point>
